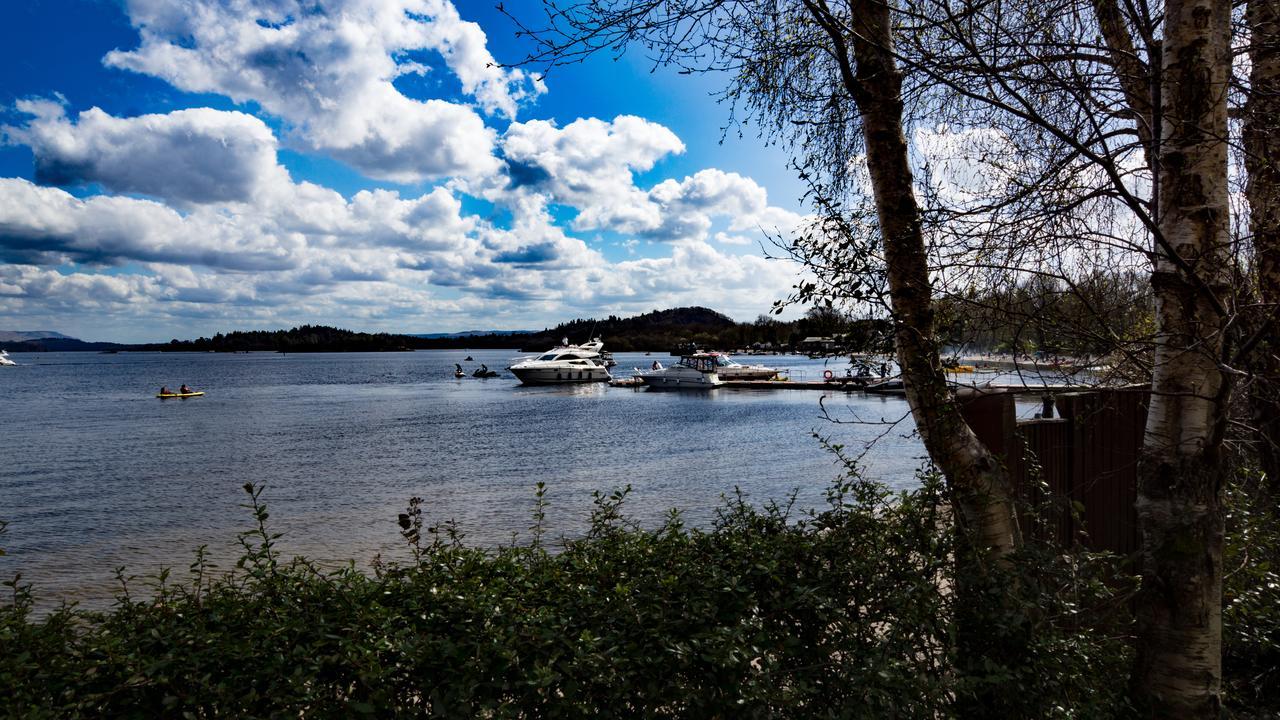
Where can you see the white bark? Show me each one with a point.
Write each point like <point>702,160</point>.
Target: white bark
<point>1179,667</point>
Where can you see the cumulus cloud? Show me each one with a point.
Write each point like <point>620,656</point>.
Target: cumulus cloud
<point>320,233</point>
<point>200,220</point>
<point>47,226</point>
<point>328,68</point>
<point>199,155</point>
<point>589,164</point>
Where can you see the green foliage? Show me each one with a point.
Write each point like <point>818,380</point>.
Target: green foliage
<point>656,330</point>
<point>1251,600</point>
<point>305,338</point>
<point>769,612</point>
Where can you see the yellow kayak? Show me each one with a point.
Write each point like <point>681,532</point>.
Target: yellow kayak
<point>179,395</point>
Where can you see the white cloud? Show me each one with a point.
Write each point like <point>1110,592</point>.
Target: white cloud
<point>190,156</point>
<point>589,164</point>
<point>48,226</point>
<point>304,228</point>
<point>327,68</point>
<point>225,234</point>
<point>726,239</point>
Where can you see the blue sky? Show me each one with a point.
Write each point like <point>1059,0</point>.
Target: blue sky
<point>172,168</point>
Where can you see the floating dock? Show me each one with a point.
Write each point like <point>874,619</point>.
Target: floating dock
<point>793,385</point>
<point>1015,388</point>
<point>850,387</point>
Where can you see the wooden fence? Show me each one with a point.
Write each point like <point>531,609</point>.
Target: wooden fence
<point>1086,459</point>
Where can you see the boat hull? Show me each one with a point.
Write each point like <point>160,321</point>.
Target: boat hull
<point>747,373</point>
<point>660,382</point>
<point>552,376</point>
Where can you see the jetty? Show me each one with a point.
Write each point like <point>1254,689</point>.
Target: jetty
<point>836,385</point>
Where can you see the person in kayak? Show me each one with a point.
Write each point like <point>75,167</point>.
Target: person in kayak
<point>164,390</point>
<point>184,389</point>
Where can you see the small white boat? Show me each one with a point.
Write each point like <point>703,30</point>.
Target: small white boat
<point>5,359</point>
<point>727,369</point>
<point>565,364</point>
<point>696,371</point>
<point>892,386</point>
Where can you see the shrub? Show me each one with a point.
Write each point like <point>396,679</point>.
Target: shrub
<point>769,612</point>
<point>1251,600</point>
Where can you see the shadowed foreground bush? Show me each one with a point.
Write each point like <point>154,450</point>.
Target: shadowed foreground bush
<point>768,613</point>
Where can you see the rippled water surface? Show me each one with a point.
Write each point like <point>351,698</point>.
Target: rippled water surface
<point>95,472</point>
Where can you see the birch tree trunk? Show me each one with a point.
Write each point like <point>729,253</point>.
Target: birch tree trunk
<point>1178,670</point>
<point>981,488</point>
<point>1262,162</point>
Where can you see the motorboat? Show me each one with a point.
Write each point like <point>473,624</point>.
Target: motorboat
<point>695,371</point>
<point>892,386</point>
<point>565,364</point>
<point>727,369</point>
<point>5,359</point>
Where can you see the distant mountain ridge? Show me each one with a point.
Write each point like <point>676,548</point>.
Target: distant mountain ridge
<point>25,335</point>
<point>676,329</point>
<point>656,330</point>
<point>469,333</point>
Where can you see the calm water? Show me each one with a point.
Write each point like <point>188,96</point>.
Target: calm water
<point>96,473</point>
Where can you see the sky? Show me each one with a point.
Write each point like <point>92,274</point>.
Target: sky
<point>176,168</point>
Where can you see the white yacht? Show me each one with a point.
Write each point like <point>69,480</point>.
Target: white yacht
<point>696,371</point>
<point>727,369</point>
<point>5,359</point>
<point>565,364</point>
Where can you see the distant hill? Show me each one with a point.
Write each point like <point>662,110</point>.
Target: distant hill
<point>24,335</point>
<point>656,330</point>
<point>675,329</point>
<point>469,333</point>
<point>59,344</point>
<point>304,338</point>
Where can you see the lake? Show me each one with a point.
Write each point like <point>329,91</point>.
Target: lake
<point>97,473</point>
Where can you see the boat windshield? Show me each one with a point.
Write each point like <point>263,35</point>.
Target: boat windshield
<point>548,356</point>
<point>701,363</point>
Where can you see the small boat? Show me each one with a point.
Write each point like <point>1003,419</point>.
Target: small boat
<point>165,396</point>
<point>892,386</point>
<point>5,360</point>
<point>484,372</point>
<point>565,364</point>
<point>695,371</point>
<point>727,369</point>
<point>458,372</point>
<point>468,359</point>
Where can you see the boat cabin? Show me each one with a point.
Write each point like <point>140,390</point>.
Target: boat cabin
<point>702,362</point>
<point>572,357</point>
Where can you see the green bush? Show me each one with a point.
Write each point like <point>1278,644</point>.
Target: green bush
<point>1251,600</point>
<point>845,612</point>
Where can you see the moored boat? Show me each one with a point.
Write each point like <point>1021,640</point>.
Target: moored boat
<point>695,371</point>
<point>727,369</point>
<point>565,364</point>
